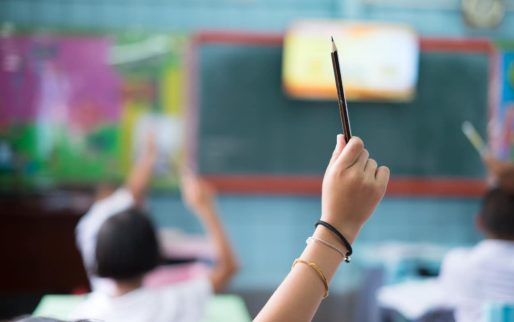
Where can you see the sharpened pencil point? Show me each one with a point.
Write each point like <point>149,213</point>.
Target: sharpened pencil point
<point>334,48</point>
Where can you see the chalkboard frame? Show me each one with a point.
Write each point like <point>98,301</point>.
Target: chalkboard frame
<point>311,185</point>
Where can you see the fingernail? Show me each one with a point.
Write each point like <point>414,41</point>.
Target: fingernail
<point>338,139</point>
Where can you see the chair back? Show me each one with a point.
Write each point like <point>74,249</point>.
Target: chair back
<point>499,312</point>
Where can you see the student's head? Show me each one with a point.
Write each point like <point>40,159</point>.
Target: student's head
<point>496,217</point>
<point>126,246</point>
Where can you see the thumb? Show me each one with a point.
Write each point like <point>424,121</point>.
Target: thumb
<point>340,144</point>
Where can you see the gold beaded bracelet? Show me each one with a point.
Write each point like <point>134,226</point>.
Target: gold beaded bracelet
<point>316,268</point>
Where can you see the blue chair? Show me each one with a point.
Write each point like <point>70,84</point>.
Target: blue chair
<point>499,312</point>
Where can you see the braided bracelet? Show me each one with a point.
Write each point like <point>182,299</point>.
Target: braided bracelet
<point>347,257</point>
<point>324,242</point>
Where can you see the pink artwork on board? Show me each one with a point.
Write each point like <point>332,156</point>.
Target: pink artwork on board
<point>60,80</point>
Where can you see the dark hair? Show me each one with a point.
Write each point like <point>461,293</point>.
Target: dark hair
<point>497,213</point>
<point>126,246</point>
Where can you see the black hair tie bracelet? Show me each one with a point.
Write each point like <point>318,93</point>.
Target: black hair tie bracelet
<point>345,242</point>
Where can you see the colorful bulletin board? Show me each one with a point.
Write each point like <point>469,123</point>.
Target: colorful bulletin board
<point>503,120</point>
<point>76,109</point>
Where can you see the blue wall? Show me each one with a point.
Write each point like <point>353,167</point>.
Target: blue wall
<point>270,15</point>
<point>268,232</point>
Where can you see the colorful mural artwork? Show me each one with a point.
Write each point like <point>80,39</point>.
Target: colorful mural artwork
<point>76,109</point>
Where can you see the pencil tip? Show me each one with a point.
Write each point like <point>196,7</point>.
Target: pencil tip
<point>331,37</point>
<point>334,48</point>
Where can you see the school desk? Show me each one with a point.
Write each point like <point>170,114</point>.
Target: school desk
<point>221,308</point>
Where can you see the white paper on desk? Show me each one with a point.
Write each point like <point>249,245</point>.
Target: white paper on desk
<point>414,298</point>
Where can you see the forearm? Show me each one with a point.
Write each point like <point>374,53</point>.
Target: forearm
<point>140,176</point>
<point>300,294</point>
<point>352,187</point>
<point>226,263</point>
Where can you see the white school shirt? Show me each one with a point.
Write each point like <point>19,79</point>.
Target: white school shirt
<point>182,302</point>
<point>472,277</point>
<point>87,232</point>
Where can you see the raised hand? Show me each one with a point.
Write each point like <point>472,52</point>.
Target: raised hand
<point>197,194</point>
<point>352,187</point>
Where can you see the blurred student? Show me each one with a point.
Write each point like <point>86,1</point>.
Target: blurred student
<point>485,273</point>
<point>352,187</point>
<point>111,200</point>
<point>122,243</point>
<point>471,277</point>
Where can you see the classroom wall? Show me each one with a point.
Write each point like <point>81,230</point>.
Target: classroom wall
<point>264,227</point>
<point>268,15</point>
<point>269,232</point>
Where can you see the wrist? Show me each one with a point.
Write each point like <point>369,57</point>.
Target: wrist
<point>319,252</point>
<point>348,229</point>
<point>342,239</point>
<point>325,234</point>
<point>203,208</point>
<point>350,232</point>
<point>150,156</point>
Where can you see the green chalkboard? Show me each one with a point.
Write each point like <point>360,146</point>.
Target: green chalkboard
<point>247,125</point>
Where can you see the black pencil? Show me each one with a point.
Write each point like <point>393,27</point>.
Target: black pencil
<point>343,109</point>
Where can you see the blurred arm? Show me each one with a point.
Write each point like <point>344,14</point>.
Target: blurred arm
<point>199,197</point>
<point>141,174</point>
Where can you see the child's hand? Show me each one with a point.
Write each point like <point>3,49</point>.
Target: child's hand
<point>197,194</point>
<point>501,171</point>
<point>352,187</point>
